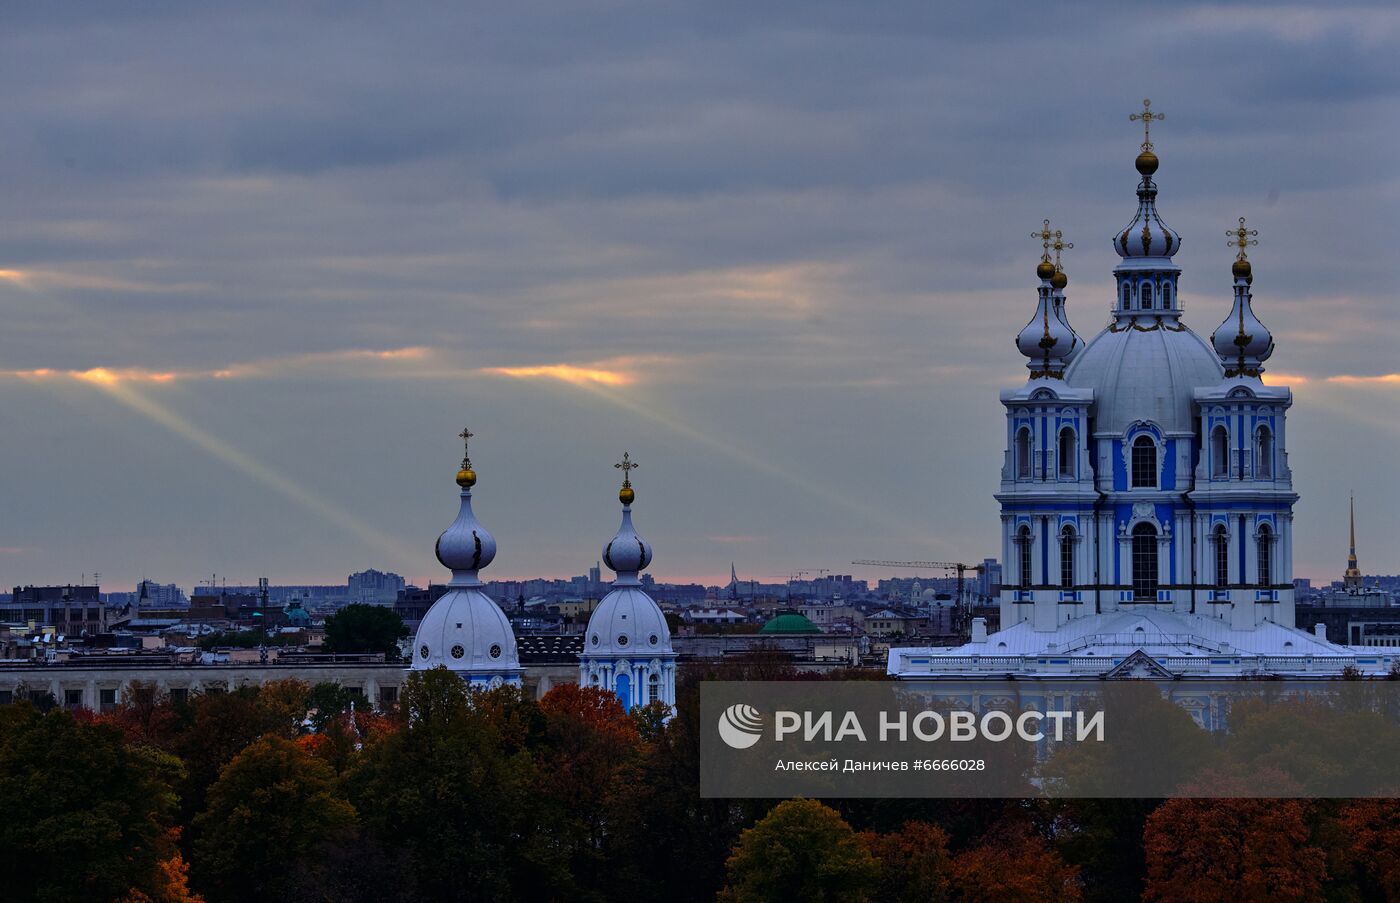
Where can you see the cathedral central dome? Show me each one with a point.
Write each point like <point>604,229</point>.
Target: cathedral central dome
<point>1145,371</point>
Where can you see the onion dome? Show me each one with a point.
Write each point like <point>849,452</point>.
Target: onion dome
<point>627,553</point>
<point>627,622</point>
<point>465,630</point>
<point>1047,340</point>
<point>466,546</point>
<point>1242,341</point>
<point>1147,235</point>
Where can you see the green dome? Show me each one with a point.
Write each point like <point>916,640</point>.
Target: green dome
<point>789,622</point>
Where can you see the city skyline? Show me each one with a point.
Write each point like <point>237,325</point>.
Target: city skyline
<point>249,307</point>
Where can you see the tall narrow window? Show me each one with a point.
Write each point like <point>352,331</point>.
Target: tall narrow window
<point>1067,453</point>
<point>653,687</point>
<point>1067,557</point>
<point>1222,556</point>
<point>1266,576</point>
<point>1023,454</point>
<point>1144,463</point>
<point>1265,444</point>
<point>1146,292</point>
<point>1167,296</point>
<point>1127,296</point>
<point>1145,562</point>
<point>1220,452</point>
<point>1023,556</point>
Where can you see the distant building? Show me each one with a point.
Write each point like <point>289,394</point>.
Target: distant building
<point>373,587</point>
<point>71,610</point>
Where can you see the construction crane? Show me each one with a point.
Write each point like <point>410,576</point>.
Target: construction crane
<point>960,607</point>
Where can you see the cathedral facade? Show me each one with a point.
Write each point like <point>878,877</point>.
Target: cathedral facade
<point>1146,497</point>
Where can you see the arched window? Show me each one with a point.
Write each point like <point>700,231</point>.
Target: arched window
<point>1067,453</point>
<point>1266,537</point>
<point>1023,556</point>
<point>1023,454</point>
<point>1067,557</point>
<point>1145,290</point>
<point>1145,562</point>
<point>1144,463</point>
<point>1220,452</point>
<point>1264,469</point>
<point>1222,556</point>
<point>1127,296</point>
<point>654,687</point>
<point>1167,296</point>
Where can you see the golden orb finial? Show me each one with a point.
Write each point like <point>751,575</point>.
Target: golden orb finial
<point>1049,240</point>
<point>466,476</point>
<point>626,465</point>
<point>1059,280</point>
<point>1146,163</point>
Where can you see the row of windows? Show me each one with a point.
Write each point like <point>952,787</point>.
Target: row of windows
<point>1220,457</point>
<point>1146,296</point>
<point>1066,448</point>
<point>1145,558</point>
<point>1144,469</point>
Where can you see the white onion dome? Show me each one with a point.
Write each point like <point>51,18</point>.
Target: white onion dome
<point>466,546</point>
<point>1243,342</point>
<point>1057,298</point>
<point>627,622</point>
<point>1146,364</point>
<point>1047,340</point>
<point>1147,235</point>
<point>465,630</point>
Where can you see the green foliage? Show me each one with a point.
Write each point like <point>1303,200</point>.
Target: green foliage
<point>245,639</point>
<point>802,850</point>
<point>365,628</point>
<point>271,807</point>
<point>82,815</point>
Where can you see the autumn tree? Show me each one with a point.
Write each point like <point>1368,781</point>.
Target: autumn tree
<point>455,796</point>
<point>914,864</point>
<point>802,850</point>
<point>1015,864</point>
<point>365,628</point>
<point>271,806</point>
<point>1368,847</point>
<point>82,815</point>
<point>1248,850</point>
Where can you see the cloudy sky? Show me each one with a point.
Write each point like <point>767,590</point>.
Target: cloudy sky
<point>258,268</point>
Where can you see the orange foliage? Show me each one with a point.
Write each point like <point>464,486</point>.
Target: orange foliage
<point>1371,828</point>
<point>593,707</point>
<point>914,863</point>
<point>1016,865</point>
<point>1245,850</point>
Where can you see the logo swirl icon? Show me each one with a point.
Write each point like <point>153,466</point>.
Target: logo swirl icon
<point>740,726</point>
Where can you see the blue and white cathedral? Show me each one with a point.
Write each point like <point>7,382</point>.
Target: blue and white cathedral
<point>1146,497</point>
<point>627,646</point>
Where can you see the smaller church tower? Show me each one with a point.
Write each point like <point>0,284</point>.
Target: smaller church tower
<point>465,631</point>
<point>627,647</point>
<point>1243,492</point>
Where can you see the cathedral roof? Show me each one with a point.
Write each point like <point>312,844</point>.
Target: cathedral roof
<point>1145,369</point>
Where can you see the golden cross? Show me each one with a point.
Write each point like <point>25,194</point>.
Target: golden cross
<point>1148,117</point>
<point>1241,238</point>
<point>1060,245</point>
<point>1044,235</point>
<point>626,466</point>
<point>465,435</point>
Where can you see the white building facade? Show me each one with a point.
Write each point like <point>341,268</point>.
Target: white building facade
<point>1146,497</point>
